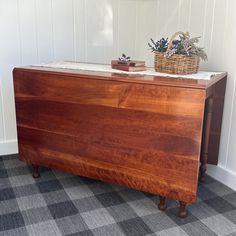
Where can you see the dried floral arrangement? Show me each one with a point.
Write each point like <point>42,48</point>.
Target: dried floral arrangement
<point>124,58</point>
<point>182,46</point>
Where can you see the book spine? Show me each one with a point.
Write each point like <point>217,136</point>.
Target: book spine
<point>121,67</point>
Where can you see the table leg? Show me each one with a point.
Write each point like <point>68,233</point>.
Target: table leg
<point>182,210</point>
<point>205,139</point>
<point>35,172</point>
<point>162,205</point>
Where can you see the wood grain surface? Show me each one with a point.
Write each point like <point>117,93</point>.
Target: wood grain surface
<point>218,96</point>
<point>142,135</point>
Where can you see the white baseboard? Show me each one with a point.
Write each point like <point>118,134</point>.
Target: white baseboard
<point>8,147</point>
<point>223,175</point>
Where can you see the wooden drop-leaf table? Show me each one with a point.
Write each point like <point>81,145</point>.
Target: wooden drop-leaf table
<point>145,132</point>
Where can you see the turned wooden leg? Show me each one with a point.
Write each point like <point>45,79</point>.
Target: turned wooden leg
<point>162,205</point>
<point>35,172</point>
<point>182,210</point>
<point>203,168</point>
<point>205,139</point>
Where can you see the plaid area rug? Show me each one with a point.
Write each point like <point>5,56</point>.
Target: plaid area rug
<point>62,204</point>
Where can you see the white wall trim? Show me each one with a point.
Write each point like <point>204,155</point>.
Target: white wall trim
<point>8,147</point>
<point>223,175</point>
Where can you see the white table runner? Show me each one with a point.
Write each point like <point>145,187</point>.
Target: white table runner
<point>204,75</point>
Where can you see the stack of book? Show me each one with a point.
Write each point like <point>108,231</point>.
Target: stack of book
<point>130,66</point>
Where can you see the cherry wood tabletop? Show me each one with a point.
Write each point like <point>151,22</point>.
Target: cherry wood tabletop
<point>132,78</point>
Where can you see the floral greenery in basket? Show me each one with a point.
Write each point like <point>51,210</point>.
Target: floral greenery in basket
<point>177,56</point>
<point>182,46</point>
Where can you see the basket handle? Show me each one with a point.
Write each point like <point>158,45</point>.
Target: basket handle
<point>186,35</point>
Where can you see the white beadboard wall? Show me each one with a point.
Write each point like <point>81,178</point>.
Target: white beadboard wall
<point>35,31</point>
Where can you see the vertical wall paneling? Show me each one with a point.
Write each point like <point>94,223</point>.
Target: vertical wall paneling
<point>85,32</point>
<point>10,46</point>
<point>156,18</point>
<point>10,55</point>
<point>79,30</point>
<point>184,15</point>
<point>44,31</point>
<point>111,30</point>
<point>145,29</point>
<point>230,58</point>
<point>208,30</point>
<point>197,16</point>
<point>95,29</point>
<point>219,27</point>
<point>221,58</point>
<point>63,29</point>
<point>172,21</point>
<point>2,132</point>
<point>137,25</point>
<point>118,27</point>
<point>162,14</point>
<point>27,21</point>
<point>197,21</point>
<point>127,26</point>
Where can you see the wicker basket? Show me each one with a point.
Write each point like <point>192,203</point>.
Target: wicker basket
<point>176,64</point>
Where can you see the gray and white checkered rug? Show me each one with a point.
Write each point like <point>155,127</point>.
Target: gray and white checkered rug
<point>63,204</point>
